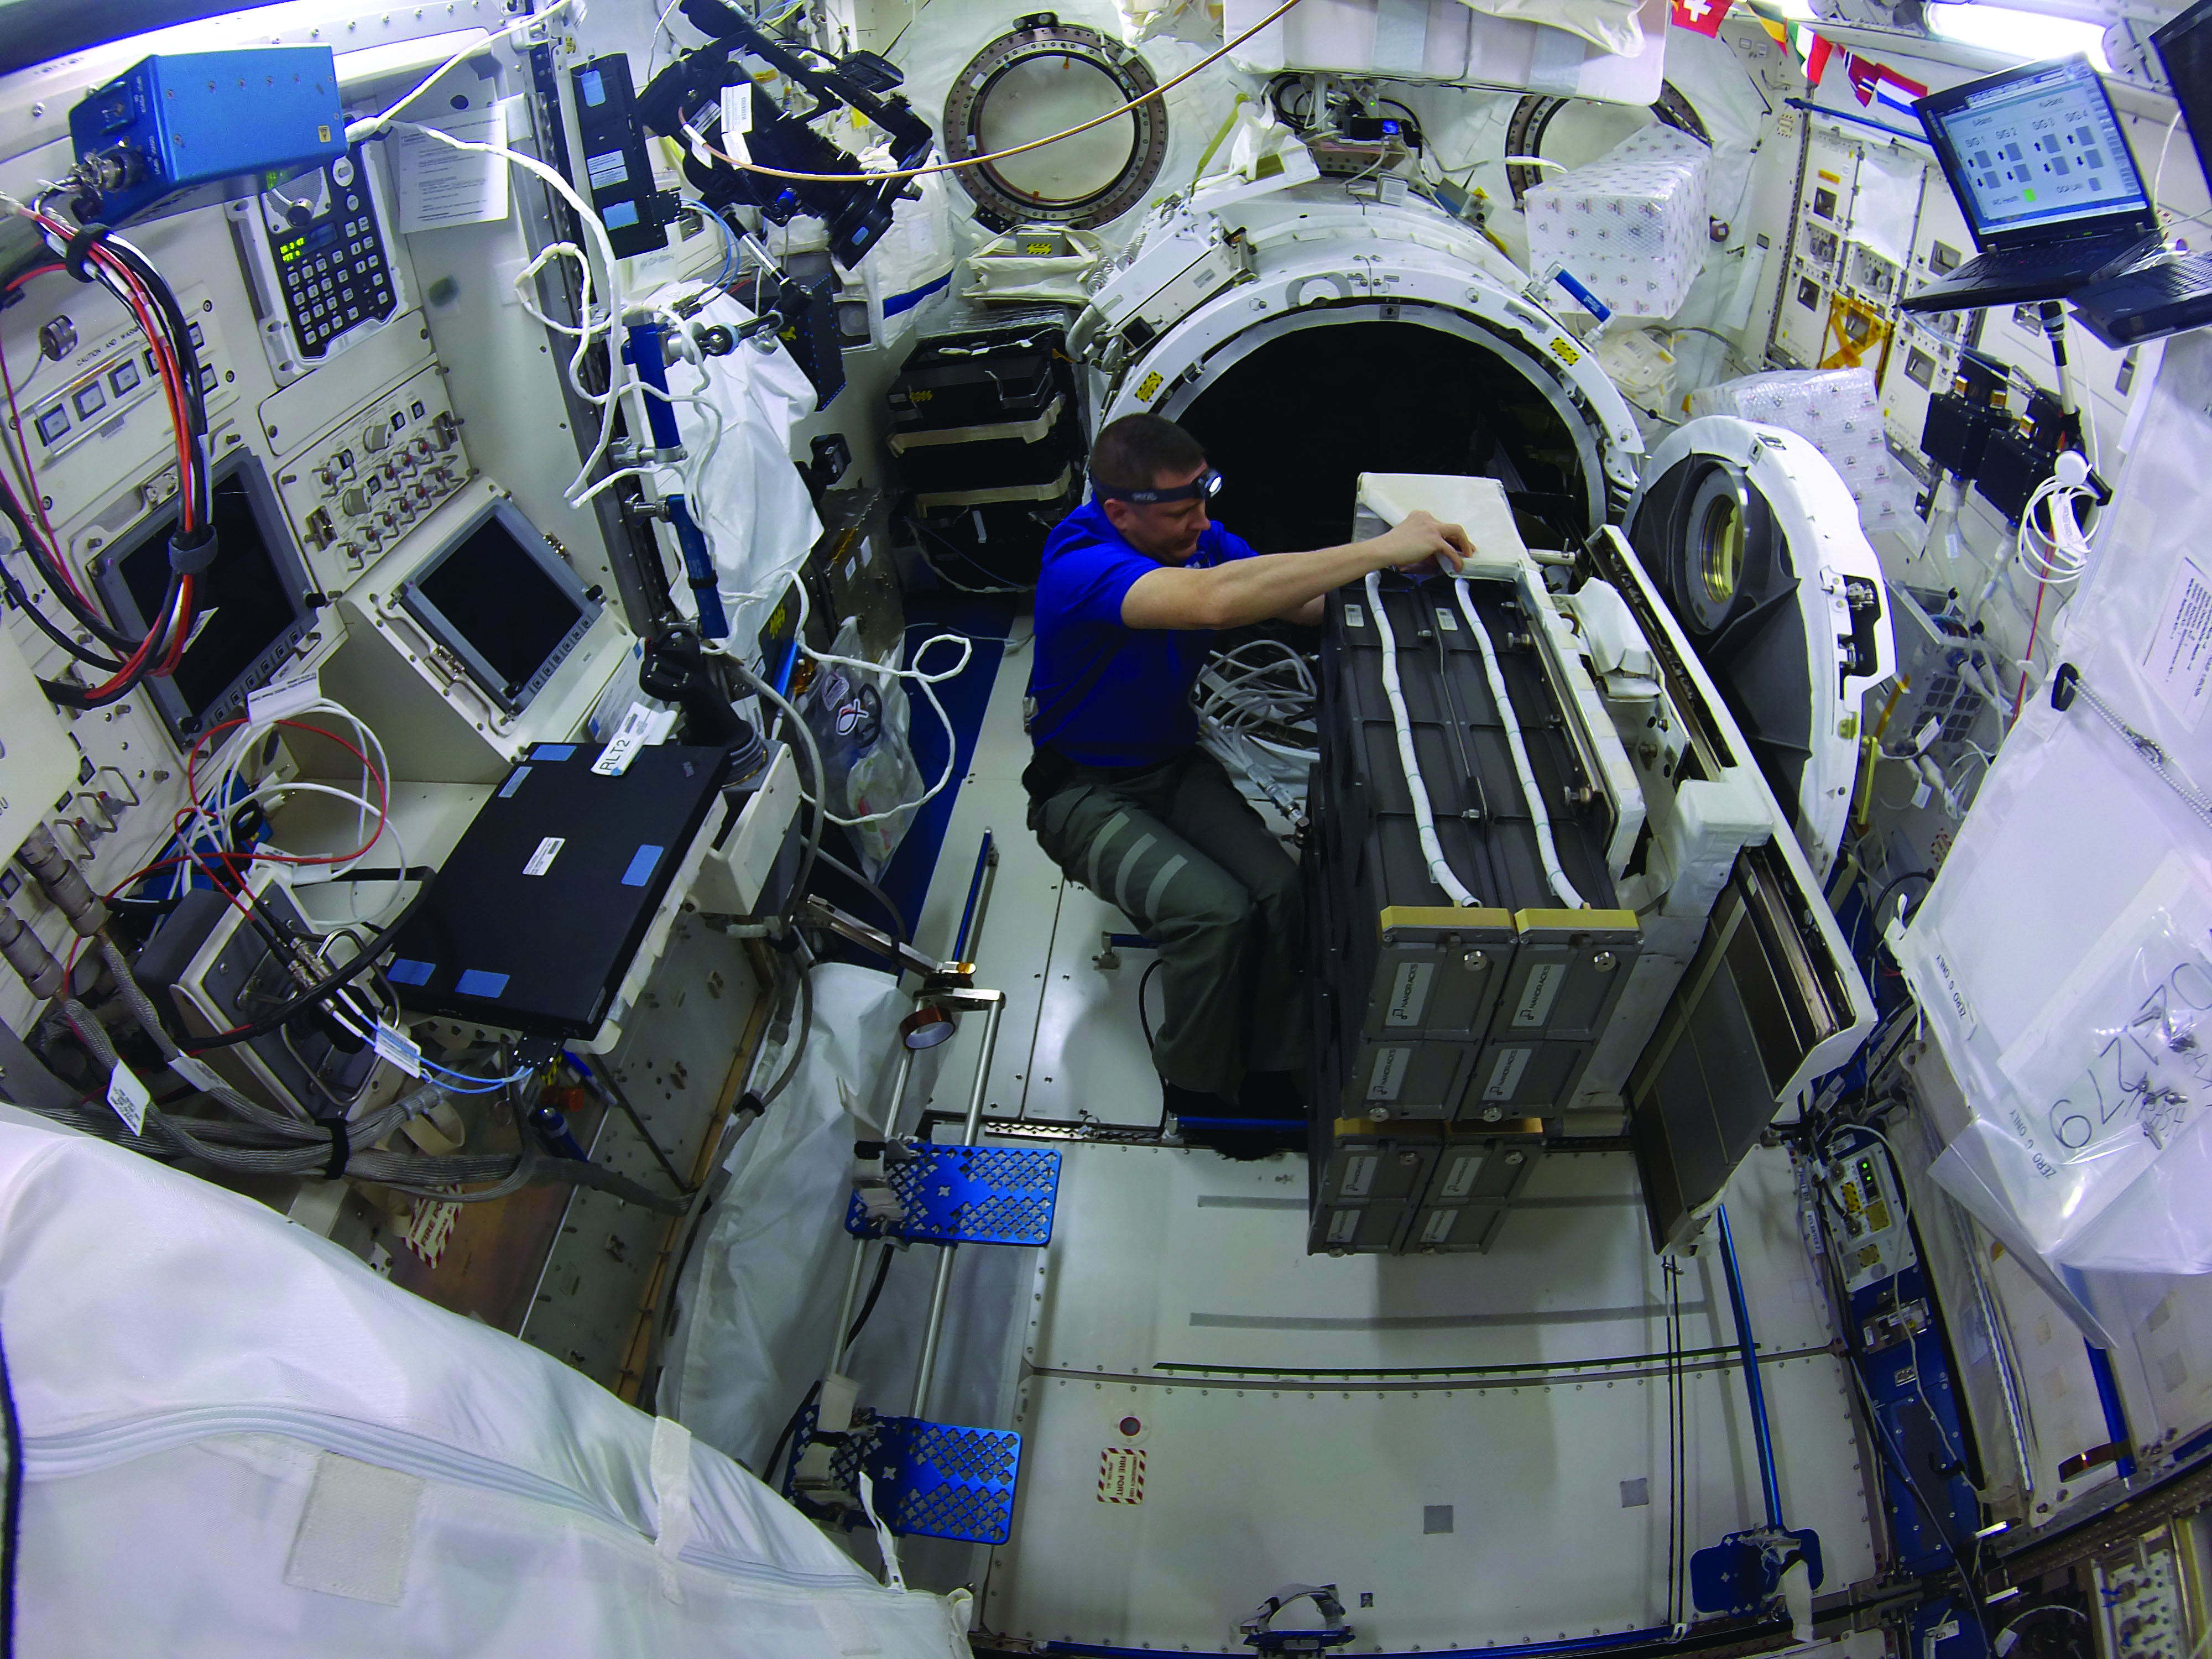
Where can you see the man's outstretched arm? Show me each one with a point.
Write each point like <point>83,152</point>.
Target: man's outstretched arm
<point>1286,585</point>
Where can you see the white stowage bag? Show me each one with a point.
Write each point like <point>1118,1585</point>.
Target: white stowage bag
<point>238,1440</point>
<point>2064,956</point>
<point>758,519</point>
<point>759,1296</point>
<point>915,258</point>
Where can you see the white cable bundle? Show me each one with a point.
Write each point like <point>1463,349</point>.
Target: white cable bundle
<point>213,805</point>
<point>1562,888</point>
<point>1424,814</point>
<point>2060,558</point>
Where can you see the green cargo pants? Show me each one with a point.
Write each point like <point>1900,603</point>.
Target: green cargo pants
<point>1186,858</point>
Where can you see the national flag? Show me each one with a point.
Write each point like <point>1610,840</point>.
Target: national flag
<point>1873,82</point>
<point>1861,72</point>
<point>1816,57</point>
<point>1701,17</point>
<point>1896,91</point>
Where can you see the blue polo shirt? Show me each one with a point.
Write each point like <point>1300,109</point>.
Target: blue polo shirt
<point>1137,710</point>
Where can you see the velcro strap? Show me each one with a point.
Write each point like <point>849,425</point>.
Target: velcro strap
<point>193,551</point>
<point>341,1151</point>
<point>80,244</point>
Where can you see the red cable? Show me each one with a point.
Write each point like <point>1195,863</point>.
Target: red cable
<point>167,665</point>
<point>176,624</point>
<point>383,792</point>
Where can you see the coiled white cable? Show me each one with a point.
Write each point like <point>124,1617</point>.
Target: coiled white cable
<point>928,679</point>
<point>1562,888</point>
<point>1424,817</point>
<point>2060,558</point>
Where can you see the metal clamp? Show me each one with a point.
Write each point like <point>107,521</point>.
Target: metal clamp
<point>1260,1637</point>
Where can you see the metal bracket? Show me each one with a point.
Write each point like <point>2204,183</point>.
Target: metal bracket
<point>966,1195</point>
<point>932,1480</point>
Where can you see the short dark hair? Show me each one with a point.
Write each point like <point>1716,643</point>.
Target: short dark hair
<point>1133,451</point>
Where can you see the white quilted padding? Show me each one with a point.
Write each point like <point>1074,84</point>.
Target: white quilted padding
<point>1632,226</point>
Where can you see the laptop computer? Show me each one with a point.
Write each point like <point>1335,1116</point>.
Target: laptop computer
<point>2044,175</point>
<point>536,913</point>
<point>2171,291</point>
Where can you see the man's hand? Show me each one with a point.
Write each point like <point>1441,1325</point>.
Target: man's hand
<point>1420,539</point>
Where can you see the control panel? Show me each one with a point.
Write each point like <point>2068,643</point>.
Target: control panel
<point>1871,1238</point>
<point>323,270</point>
<point>352,492</point>
<point>91,409</point>
<point>2146,1596</point>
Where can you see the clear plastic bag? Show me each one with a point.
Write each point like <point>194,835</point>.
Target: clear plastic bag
<point>2089,1129</point>
<point>860,717</point>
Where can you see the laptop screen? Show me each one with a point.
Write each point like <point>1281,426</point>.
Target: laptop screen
<point>2185,47</point>
<point>2037,147</point>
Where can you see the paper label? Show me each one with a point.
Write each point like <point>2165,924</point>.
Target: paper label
<point>1538,993</point>
<point>1343,1226</point>
<point>622,749</point>
<point>1459,1182</point>
<point>1409,992</point>
<point>542,860</point>
<point>1446,623</point>
<point>738,121</point>
<point>1354,617</point>
<point>397,1049</point>
<point>2179,662</point>
<point>197,1073</point>
<point>128,1095</point>
<point>1358,1175</point>
<point>1122,1475</point>
<point>284,697</point>
<point>738,108</point>
<point>1389,1074</point>
<point>439,186</point>
<point>1437,1228</point>
<point>1505,1075</point>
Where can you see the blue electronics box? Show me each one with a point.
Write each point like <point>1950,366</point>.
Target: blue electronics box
<point>182,130</point>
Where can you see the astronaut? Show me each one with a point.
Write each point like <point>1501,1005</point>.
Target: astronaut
<point>1133,585</point>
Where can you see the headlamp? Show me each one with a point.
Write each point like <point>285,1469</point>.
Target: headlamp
<point>1205,487</point>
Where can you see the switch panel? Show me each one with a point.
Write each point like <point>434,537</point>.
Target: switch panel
<point>353,492</point>
<point>2145,1598</point>
<point>98,413</point>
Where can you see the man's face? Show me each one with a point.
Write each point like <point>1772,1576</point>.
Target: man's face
<point>1165,530</point>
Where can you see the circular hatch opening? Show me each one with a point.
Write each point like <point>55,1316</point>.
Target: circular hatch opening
<point>1294,423</point>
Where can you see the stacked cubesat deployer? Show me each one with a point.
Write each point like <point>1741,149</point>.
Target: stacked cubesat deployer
<point>1553,905</point>
<point>1464,966</point>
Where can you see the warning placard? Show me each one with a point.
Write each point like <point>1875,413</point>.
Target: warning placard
<point>1122,1475</point>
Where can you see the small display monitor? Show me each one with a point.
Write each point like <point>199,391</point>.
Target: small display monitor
<point>506,606</point>
<point>2036,151</point>
<point>2184,49</point>
<point>250,607</point>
